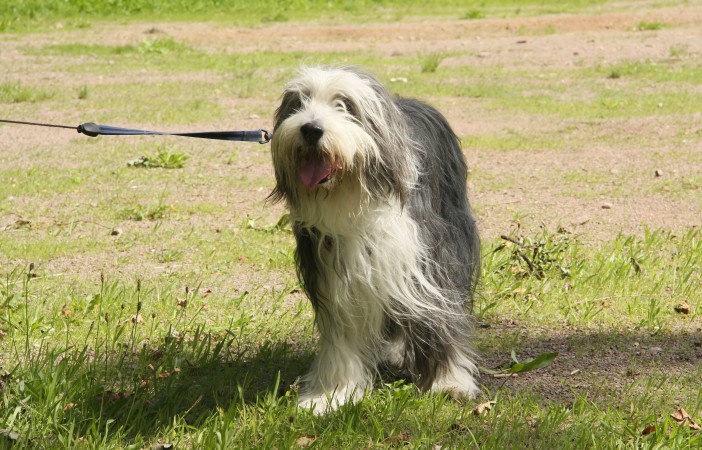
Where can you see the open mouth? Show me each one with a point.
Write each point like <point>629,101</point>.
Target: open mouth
<point>316,169</point>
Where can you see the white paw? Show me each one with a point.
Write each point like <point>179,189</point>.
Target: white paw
<point>457,391</point>
<point>458,381</point>
<point>330,401</point>
<point>318,404</point>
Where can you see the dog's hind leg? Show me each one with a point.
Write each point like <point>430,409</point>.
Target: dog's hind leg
<point>457,377</point>
<point>438,361</point>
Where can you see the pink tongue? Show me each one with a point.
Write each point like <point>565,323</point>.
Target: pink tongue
<point>314,170</point>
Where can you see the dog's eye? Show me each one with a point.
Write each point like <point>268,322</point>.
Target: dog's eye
<point>345,105</point>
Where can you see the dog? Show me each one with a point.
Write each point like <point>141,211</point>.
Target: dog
<point>387,247</point>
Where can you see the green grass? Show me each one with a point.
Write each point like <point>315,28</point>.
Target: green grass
<point>659,71</point>
<point>16,93</point>
<point>40,180</point>
<point>146,362</point>
<point>163,308</point>
<point>431,62</point>
<point>158,46</point>
<point>25,15</point>
<point>650,26</point>
<point>619,271</point>
<point>513,140</point>
<point>474,14</point>
<point>163,159</point>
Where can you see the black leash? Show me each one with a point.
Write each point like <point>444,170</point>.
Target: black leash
<point>92,129</point>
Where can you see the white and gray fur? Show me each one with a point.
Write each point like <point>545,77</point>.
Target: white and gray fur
<point>387,248</point>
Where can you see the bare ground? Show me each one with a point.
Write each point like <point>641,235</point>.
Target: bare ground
<point>557,41</point>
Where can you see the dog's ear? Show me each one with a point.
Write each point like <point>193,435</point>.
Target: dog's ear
<point>393,171</point>
<point>290,104</point>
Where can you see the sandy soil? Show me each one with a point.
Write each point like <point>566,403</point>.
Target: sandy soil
<point>537,43</point>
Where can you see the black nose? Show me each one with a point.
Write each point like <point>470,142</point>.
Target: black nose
<point>311,133</point>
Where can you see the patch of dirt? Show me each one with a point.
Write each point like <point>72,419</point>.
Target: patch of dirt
<point>407,37</point>
<point>597,365</point>
<point>569,40</point>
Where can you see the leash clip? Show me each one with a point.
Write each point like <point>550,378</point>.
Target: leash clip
<point>265,136</point>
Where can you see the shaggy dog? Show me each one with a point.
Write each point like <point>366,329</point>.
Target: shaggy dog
<point>387,248</point>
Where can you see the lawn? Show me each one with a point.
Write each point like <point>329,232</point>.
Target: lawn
<point>148,296</point>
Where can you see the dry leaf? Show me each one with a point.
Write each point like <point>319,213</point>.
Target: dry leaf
<point>305,440</point>
<point>483,408</point>
<point>70,406</point>
<point>9,435</point>
<point>682,308</point>
<point>167,446</point>
<point>20,223</point>
<point>650,428</point>
<point>683,418</point>
<point>182,302</point>
<point>680,415</point>
<point>206,292</point>
<point>66,311</point>
<point>402,437</point>
<point>167,374</point>
<point>114,396</point>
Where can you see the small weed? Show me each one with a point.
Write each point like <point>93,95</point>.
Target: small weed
<point>614,74</point>
<point>283,224</point>
<point>431,62</point>
<point>539,257</point>
<point>16,93</point>
<point>473,14</point>
<point>650,26</point>
<point>164,159</point>
<point>168,256</point>
<point>653,320</point>
<point>80,24</point>
<point>153,211</point>
<point>279,17</point>
<point>550,29</point>
<point>515,366</point>
<point>83,92</point>
<point>678,51</point>
<point>161,46</point>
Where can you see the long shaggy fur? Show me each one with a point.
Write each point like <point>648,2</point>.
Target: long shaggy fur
<point>387,248</point>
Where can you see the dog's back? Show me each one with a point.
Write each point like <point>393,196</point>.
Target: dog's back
<point>456,247</point>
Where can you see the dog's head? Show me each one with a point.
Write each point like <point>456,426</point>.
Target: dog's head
<point>339,130</point>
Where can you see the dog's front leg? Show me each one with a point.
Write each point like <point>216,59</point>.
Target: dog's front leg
<point>340,373</point>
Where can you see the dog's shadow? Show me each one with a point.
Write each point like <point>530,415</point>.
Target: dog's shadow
<point>190,388</point>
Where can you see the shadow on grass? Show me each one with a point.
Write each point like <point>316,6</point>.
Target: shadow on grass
<point>594,364</point>
<point>160,386</point>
